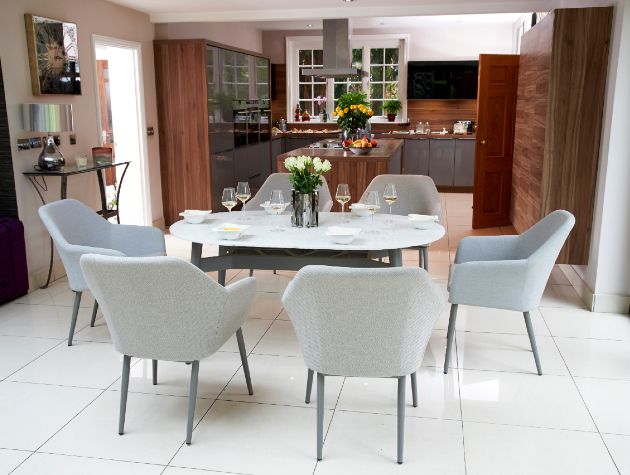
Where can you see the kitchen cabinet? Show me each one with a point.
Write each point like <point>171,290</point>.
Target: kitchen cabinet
<point>277,148</point>
<point>442,161</point>
<point>464,162</point>
<point>416,157</point>
<point>293,143</point>
<point>214,122</point>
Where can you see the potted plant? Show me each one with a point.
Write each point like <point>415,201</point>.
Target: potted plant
<point>306,177</point>
<point>353,113</point>
<point>392,107</point>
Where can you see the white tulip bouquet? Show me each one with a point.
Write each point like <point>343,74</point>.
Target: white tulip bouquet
<point>306,172</point>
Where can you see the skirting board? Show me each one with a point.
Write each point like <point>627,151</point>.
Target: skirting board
<point>601,303</point>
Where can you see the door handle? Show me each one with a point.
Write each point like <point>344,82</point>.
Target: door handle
<point>482,142</point>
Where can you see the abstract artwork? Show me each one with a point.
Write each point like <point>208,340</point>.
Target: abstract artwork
<point>53,56</point>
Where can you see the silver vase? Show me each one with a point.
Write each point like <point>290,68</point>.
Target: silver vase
<point>305,209</point>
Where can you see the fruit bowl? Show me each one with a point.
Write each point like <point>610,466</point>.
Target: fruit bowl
<point>360,150</point>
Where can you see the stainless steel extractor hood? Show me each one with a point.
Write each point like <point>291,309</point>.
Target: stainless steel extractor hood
<point>337,52</point>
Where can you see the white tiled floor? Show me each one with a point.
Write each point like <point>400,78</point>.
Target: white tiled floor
<point>490,415</point>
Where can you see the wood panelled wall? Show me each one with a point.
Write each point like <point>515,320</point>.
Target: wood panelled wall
<point>278,92</point>
<point>8,200</point>
<point>569,66</point>
<point>441,113</point>
<point>531,121</point>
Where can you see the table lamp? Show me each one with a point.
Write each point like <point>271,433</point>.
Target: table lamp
<point>48,118</point>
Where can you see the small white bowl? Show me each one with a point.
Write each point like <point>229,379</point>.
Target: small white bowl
<point>340,235</point>
<point>230,231</point>
<point>195,216</point>
<point>361,210</point>
<point>422,221</point>
<point>266,206</point>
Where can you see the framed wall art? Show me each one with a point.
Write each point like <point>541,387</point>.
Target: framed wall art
<point>53,55</point>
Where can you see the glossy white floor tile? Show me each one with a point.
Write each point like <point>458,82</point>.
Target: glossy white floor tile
<point>619,447</point>
<point>253,438</point>
<point>503,352</point>
<point>64,420</point>
<point>52,464</point>
<point>438,395</point>
<point>366,443</point>
<point>501,449</point>
<point>155,428</point>
<point>279,380</point>
<point>523,400</point>
<point>608,401</point>
<point>9,459</point>
<point>32,413</point>
<point>596,358</point>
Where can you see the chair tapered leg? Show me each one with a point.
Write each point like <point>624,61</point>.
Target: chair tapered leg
<point>309,386</point>
<point>75,314</point>
<point>425,258</point>
<point>414,389</point>
<point>154,367</point>
<point>401,418</point>
<point>243,352</point>
<point>192,399</point>
<point>320,415</point>
<point>124,388</point>
<point>420,258</point>
<point>274,272</point>
<point>450,335</point>
<point>251,272</point>
<point>94,310</point>
<point>532,342</point>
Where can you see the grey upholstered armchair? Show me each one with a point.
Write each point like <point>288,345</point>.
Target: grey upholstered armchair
<point>164,308</point>
<point>280,181</point>
<point>77,230</point>
<point>507,272</point>
<point>365,323</point>
<point>416,194</point>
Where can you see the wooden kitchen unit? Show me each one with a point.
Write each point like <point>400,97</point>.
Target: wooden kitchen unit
<point>355,170</point>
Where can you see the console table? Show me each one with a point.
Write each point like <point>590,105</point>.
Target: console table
<point>70,170</point>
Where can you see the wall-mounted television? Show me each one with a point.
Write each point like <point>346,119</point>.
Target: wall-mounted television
<point>442,79</point>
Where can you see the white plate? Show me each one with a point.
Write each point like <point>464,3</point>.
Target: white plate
<point>195,216</point>
<point>268,209</point>
<point>342,235</point>
<point>360,209</point>
<point>230,231</point>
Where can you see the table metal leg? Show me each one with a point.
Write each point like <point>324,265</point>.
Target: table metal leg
<point>221,276</point>
<point>195,254</point>
<point>122,177</point>
<point>395,257</point>
<point>50,264</point>
<point>101,189</point>
<point>64,187</point>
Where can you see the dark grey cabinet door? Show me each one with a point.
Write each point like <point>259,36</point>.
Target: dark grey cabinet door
<point>251,164</point>
<point>464,162</point>
<point>298,142</point>
<point>277,148</point>
<point>416,157</point>
<point>442,161</point>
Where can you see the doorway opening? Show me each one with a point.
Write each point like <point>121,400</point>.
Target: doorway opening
<point>122,125</point>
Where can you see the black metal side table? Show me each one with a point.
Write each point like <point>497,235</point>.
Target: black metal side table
<point>70,170</point>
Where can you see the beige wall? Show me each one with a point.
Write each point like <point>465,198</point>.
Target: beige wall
<point>92,17</point>
<point>238,35</point>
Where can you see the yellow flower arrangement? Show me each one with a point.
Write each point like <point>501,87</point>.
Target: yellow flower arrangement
<point>352,111</point>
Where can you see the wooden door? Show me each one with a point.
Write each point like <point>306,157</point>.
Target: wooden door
<point>496,106</point>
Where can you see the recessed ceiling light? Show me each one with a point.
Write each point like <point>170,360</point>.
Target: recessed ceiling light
<point>309,25</point>
<point>347,1</point>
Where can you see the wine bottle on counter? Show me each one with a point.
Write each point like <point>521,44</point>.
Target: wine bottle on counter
<point>298,114</point>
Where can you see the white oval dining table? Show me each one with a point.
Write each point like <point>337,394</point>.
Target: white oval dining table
<point>259,247</point>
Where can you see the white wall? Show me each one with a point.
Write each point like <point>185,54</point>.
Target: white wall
<point>239,35</point>
<point>92,17</point>
<point>608,271</point>
<point>426,43</point>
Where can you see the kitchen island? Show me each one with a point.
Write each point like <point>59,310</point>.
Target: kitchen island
<point>355,170</point>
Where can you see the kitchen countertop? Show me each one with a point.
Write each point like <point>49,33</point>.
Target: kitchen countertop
<point>384,150</point>
<point>316,134</point>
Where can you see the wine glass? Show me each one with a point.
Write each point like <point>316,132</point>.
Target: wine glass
<point>243,193</point>
<point>342,196</point>
<point>373,203</point>
<point>277,205</point>
<point>390,196</point>
<point>229,199</point>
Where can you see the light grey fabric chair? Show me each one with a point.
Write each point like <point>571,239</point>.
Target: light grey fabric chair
<point>507,272</point>
<point>280,181</point>
<point>416,194</point>
<point>76,230</point>
<point>365,323</point>
<point>164,308</point>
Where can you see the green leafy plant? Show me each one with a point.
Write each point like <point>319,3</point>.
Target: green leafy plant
<point>353,111</point>
<point>392,106</point>
<point>306,172</point>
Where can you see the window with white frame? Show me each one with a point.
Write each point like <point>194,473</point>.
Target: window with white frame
<point>383,57</point>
